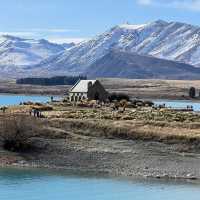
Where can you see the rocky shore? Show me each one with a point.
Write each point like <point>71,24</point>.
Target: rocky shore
<point>109,156</point>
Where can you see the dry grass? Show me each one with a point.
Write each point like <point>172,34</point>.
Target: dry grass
<point>16,132</point>
<point>167,89</point>
<point>140,114</point>
<point>143,123</point>
<point>163,132</point>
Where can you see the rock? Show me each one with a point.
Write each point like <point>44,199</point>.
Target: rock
<point>191,177</point>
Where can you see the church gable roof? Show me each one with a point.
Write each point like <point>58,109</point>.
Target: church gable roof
<point>81,86</point>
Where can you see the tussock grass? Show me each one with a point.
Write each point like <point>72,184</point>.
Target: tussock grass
<point>160,131</point>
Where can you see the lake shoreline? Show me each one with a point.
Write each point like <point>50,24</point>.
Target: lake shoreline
<point>67,148</point>
<point>101,174</point>
<point>126,173</point>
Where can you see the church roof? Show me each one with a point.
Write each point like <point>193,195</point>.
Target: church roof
<point>81,86</point>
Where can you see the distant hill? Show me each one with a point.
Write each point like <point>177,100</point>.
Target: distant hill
<point>129,65</point>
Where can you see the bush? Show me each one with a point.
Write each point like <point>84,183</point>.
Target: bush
<point>118,97</point>
<point>148,103</point>
<point>16,132</point>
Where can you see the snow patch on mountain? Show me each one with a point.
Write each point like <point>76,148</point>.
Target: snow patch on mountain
<point>133,27</point>
<point>18,51</point>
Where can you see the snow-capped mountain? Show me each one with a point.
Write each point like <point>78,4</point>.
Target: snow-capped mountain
<point>167,40</point>
<point>173,41</point>
<point>15,51</point>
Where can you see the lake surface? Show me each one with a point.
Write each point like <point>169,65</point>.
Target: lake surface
<point>46,185</point>
<point>6,100</point>
<point>178,104</point>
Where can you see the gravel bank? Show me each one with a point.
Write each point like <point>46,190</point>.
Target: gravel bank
<point>109,156</point>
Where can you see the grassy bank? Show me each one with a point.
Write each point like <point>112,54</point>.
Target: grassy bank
<point>146,123</point>
<point>169,133</point>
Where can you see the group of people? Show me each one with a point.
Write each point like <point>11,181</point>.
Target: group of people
<point>190,107</point>
<point>4,108</point>
<point>35,113</point>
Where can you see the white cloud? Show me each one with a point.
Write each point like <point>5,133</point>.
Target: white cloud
<point>37,32</point>
<point>145,2</point>
<point>56,35</point>
<point>193,5</point>
<point>54,30</point>
<point>19,33</point>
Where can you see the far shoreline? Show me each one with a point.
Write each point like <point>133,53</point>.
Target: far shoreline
<point>135,88</point>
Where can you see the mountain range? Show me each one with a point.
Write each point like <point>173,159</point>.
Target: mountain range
<point>154,50</point>
<point>20,52</point>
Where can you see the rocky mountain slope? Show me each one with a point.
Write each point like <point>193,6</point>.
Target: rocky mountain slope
<point>68,45</point>
<point>129,65</point>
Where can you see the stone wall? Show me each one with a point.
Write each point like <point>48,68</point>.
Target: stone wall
<point>97,92</point>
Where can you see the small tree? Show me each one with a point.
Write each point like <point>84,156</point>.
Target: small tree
<point>118,97</point>
<point>192,92</point>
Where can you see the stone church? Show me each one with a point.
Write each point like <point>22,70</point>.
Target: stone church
<point>88,90</point>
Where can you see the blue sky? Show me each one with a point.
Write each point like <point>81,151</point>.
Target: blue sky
<point>74,20</point>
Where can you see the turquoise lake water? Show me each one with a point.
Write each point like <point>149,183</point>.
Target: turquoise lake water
<point>46,185</point>
<point>178,104</point>
<point>6,100</point>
